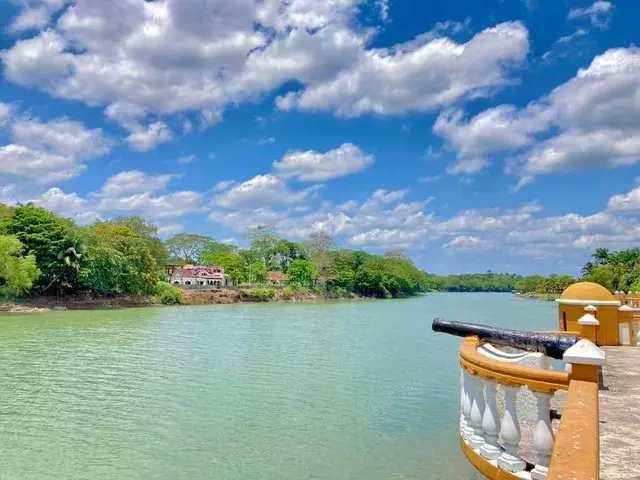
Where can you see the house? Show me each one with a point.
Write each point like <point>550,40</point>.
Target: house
<point>197,275</point>
<point>275,277</point>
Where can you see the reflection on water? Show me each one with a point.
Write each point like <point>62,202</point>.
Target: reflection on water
<point>345,390</point>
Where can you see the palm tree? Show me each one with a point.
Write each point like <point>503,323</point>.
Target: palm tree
<point>601,256</point>
<point>587,269</point>
<point>72,253</point>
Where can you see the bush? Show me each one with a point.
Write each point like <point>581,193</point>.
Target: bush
<point>260,294</point>
<point>168,294</point>
<point>287,293</point>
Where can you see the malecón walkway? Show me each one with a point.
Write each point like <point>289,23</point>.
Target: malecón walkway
<point>620,414</point>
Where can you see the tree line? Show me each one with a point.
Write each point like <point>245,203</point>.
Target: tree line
<point>44,254</point>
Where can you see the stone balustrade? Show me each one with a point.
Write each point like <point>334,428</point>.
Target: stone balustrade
<point>491,440</point>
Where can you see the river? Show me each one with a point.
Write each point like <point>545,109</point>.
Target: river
<point>360,390</point>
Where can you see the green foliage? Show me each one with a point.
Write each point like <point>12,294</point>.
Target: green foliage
<point>260,294</point>
<point>188,246</point>
<point>168,294</point>
<point>602,276</point>
<point>49,238</point>
<point>17,272</point>
<point>614,270</point>
<point>6,213</point>
<point>301,272</point>
<point>132,268</point>
<point>149,233</point>
<point>233,264</point>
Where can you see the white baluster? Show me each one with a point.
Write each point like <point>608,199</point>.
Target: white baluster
<point>510,433</point>
<point>467,431</point>
<point>491,423</point>
<point>543,437</point>
<point>477,412</point>
<point>463,422</point>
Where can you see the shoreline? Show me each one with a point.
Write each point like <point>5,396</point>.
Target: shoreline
<point>189,298</point>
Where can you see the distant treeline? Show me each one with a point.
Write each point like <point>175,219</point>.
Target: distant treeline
<point>614,270</point>
<point>500,282</point>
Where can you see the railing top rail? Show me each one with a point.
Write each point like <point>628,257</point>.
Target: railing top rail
<point>537,379</point>
<point>576,450</point>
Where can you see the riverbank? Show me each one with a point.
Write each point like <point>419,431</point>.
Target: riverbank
<point>188,297</point>
<point>550,297</point>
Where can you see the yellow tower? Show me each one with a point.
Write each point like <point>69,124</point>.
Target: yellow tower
<point>590,298</point>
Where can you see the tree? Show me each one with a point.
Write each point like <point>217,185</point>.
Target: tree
<point>301,272</point>
<point>263,240</point>
<point>46,235</point>
<point>286,252</point>
<point>147,231</point>
<point>17,273</point>
<point>601,256</point>
<point>188,246</point>
<point>132,265</point>
<point>6,213</point>
<point>602,276</point>
<point>319,242</point>
<point>400,253</point>
<point>215,248</point>
<point>233,264</point>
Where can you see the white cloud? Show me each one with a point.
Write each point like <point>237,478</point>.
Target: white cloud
<point>468,242</point>
<point>37,166</point>
<point>223,185</point>
<point>383,9</point>
<point>135,191</point>
<point>69,205</point>
<point>599,13</point>
<point>418,76</point>
<point>28,19</point>
<point>156,133</point>
<point>627,202</point>
<point>186,159</point>
<point>265,141</point>
<point>144,60</point>
<point>261,190</point>
<point>134,182</point>
<point>171,229</point>
<point>430,179</point>
<point>229,241</point>
<point>588,122</point>
<point>309,166</point>
<point>48,152</point>
<point>62,137</point>
<point>170,205</point>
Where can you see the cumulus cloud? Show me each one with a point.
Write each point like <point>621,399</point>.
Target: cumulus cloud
<point>262,190</point>
<point>468,242</point>
<point>48,152</point>
<point>588,122</point>
<point>311,166</point>
<point>146,139</point>
<point>419,75</point>
<point>198,57</point>
<point>135,191</point>
<point>599,13</point>
<point>626,202</point>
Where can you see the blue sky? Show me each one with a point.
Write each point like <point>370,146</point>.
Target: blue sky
<point>493,134</point>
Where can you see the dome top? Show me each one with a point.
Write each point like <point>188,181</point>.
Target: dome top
<point>587,291</point>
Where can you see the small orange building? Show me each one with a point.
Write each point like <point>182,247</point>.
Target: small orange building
<point>587,304</point>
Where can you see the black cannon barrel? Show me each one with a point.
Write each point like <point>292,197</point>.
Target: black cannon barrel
<point>551,344</point>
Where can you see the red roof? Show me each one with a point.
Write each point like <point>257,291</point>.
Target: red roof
<point>275,276</point>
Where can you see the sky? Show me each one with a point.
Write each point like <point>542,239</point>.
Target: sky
<point>474,134</point>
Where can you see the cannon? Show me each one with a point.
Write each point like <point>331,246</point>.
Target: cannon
<point>551,344</point>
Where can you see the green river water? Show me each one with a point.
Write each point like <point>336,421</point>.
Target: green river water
<point>359,390</point>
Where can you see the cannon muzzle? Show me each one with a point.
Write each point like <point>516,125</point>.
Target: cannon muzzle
<point>551,344</point>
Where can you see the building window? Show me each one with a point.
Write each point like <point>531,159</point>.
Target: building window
<point>187,282</point>
<point>564,322</point>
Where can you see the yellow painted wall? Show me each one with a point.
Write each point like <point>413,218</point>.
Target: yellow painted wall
<point>606,315</point>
